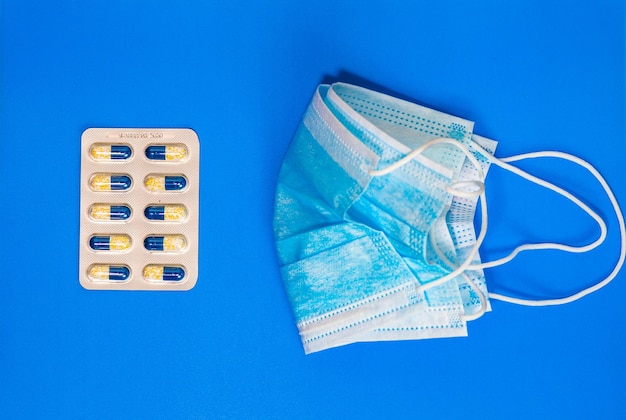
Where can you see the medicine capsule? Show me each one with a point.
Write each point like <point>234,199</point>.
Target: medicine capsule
<point>102,151</point>
<point>100,272</point>
<point>157,183</point>
<point>167,243</point>
<point>110,242</point>
<point>110,182</point>
<point>108,212</point>
<point>172,152</point>
<point>168,212</point>
<point>154,272</point>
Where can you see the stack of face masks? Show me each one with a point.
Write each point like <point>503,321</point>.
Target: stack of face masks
<point>374,220</point>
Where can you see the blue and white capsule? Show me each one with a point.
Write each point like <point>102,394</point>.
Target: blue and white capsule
<point>106,152</point>
<point>118,242</point>
<point>163,273</point>
<point>108,212</point>
<point>165,243</point>
<point>106,272</point>
<point>159,183</point>
<point>110,182</point>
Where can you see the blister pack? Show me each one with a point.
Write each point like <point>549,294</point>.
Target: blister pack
<point>139,197</point>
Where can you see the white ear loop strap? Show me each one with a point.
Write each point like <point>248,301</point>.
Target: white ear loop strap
<point>550,245</point>
<point>603,230</point>
<point>480,192</point>
<point>479,293</point>
<point>503,163</point>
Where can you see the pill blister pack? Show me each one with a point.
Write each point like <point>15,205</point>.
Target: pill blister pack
<point>139,209</point>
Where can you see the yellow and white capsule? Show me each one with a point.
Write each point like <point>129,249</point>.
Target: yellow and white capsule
<point>159,183</point>
<point>159,273</point>
<point>109,182</point>
<point>103,151</point>
<point>167,212</point>
<point>169,152</point>
<point>105,272</point>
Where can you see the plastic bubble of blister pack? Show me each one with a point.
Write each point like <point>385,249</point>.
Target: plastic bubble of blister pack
<point>139,208</point>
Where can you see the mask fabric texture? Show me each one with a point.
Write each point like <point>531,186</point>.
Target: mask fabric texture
<point>374,215</point>
<point>460,224</point>
<point>354,249</point>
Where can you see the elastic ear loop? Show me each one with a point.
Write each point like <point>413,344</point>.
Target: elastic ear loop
<point>473,286</point>
<point>526,247</point>
<point>502,163</point>
<point>480,193</point>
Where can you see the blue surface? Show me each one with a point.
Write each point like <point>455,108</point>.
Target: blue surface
<point>535,75</point>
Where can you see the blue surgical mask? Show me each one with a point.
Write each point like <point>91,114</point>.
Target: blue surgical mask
<point>374,220</point>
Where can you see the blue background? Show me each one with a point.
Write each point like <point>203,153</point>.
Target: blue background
<point>535,75</point>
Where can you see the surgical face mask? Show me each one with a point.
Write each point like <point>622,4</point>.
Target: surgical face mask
<point>374,220</point>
